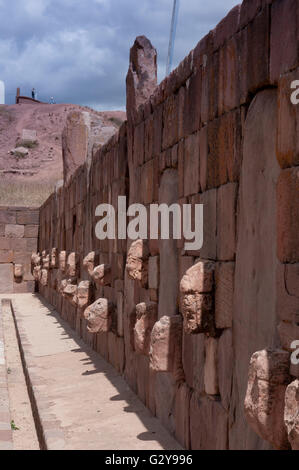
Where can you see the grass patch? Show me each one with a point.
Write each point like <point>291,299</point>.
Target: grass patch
<point>13,426</point>
<point>24,194</point>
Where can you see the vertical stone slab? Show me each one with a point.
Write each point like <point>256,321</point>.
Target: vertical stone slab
<point>6,278</point>
<point>254,317</point>
<point>169,266</point>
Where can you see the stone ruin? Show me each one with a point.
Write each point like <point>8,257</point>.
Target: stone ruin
<point>204,338</point>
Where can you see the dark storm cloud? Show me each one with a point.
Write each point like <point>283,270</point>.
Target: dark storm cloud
<point>77,50</point>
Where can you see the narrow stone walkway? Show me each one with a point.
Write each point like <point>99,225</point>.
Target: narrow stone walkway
<point>81,402</point>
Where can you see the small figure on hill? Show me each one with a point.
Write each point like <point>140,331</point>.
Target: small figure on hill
<point>52,100</point>
<point>33,93</point>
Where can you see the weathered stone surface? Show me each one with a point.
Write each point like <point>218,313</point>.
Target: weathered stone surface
<point>288,216</point>
<point>14,231</point>
<point>226,221</point>
<point>120,313</point>
<point>99,316</point>
<point>211,373</point>
<point>165,399</point>
<point>254,319</point>
<point>89,262</point>
<point>291,413</point>
<point>169,269</point>
<point>142,74</point>
<point>199,278</point>
<point>37,273</point>
<point>288,332</point>
<point>204,412</point>
<point>62,260</point>
<point>264,403</point>
<point>70,292</point>
<point>182,415</point>
<point>166,346</point>
<point>83,294</point>
<point>6,278</point>
<point>137,262</point>
<point>196,299</point>
<point>284,37</point>
<point>209,201</point>
<point>191,165</point>
<point>20,152</point>
<point>225,366</point>
<point>45,260</point>
<point>102,275</point>
<point>224,295</point>
<point>72,264</point>
<point>198,313</point>
<point>44,277</point>
<point>75,142</point>
<point>18,271</point>
<point>146,317</point>
<point>54,258</point>
<point>153,272</point>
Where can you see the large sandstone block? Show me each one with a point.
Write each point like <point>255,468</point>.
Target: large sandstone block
<point>254,57</point>
<point>209,201</point>
<point>191,165</point>
<point>28,217</point>
<point>226,221</point>
<point>137,262</point>
<point>206,416</point>
<point>224,294</point>
<point>14,231</point>
<point>287,279</point>
<point>196,298</point>
<point>166,346</point>
<point>182,415</point>
<point>229,84</point>
<point>191,116</point>
<point>6,278</point>
<point>75,138</point>
<point>287,147</point>
<point>264,402</point>
<point>225,367</point>
<point>165,388</point>
<point>210,371</point>
<point>284,38</point>
<point>99,316</point>
<point>146,317</point>
<point>170,122</point>
<point>291,413</point>
<point>288,216</point>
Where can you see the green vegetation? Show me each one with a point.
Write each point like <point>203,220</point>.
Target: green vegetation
<point>13,426</point>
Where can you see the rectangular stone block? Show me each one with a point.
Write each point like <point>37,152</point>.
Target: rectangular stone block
<point>254,54</point>
<point>28,217</point>
<point>191,165</point>
<point>211,373</point>
<point>288,216</point>
<point>5,243</point>
<point>227,27</point>
<point>182,410</point>
<point>139,144</point>
<point>229,84</point>
<point>8,216</point>
<point>6,278</point>
<point>6,256</point>
<point>14,231</point>
<point>224,294</point>
<point>226,221</point>
<point>287,305</point>
<point>284,54</point>
<point>147,178</point>
<point>170,122</point>
<point>31,231</point>
<point>153,272</point>
<point>192,104</point>
<point>287,146</point>
<point>249,9</point>
<point>209,201</point>
<point>203,157</point>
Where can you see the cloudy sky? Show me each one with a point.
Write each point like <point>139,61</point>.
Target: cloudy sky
<point>77,50</point>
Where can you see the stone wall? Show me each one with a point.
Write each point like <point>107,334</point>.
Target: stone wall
<point>18,238</point>
<point>182,325</point>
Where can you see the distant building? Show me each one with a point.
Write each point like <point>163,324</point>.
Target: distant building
<point>2,92</point>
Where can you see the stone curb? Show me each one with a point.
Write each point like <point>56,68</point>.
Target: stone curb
<point>50,435</point>
<point>6,441</point>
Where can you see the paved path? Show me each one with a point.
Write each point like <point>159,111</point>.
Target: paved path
<point>5,419</point>
<point>81,401</point>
